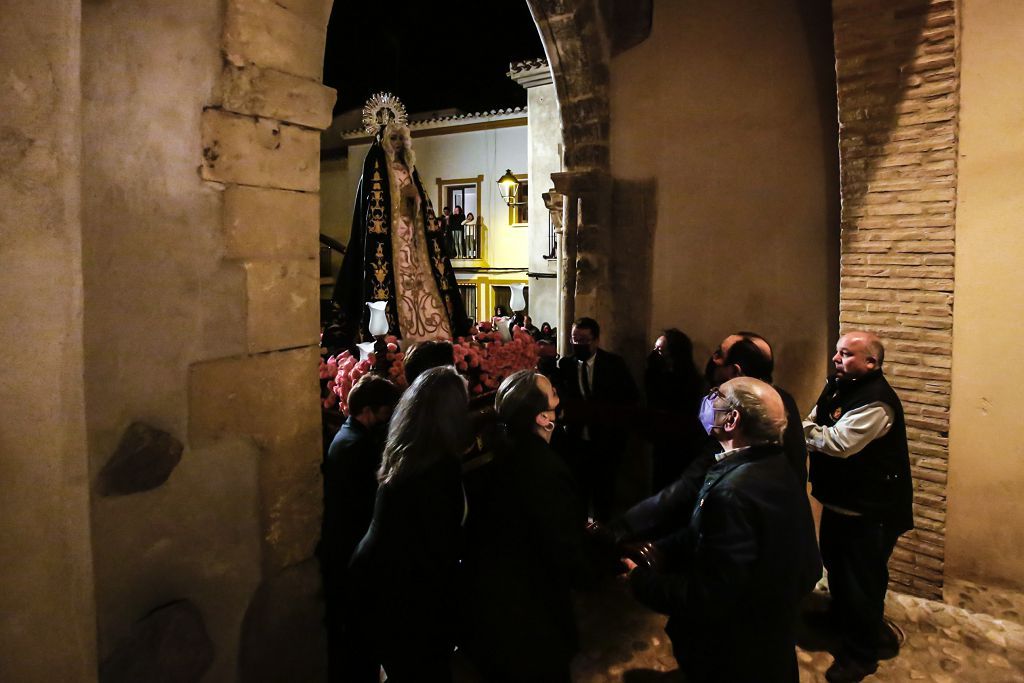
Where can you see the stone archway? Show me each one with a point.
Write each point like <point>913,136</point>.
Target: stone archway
<point>261,142</point>
<point>261,135</point>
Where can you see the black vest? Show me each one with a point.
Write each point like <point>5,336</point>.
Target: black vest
<point>876,481</point>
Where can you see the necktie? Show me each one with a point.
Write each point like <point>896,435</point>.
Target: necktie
<point>585,380</point>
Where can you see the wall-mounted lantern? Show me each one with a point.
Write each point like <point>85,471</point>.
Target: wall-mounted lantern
<point>508,186</point>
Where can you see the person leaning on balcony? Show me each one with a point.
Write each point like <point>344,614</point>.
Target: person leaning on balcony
<point>472,247</point>
<point>458,233</point>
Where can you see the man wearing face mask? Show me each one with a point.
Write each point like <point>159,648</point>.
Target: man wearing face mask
<point>524,544</point>
<point>742,354</point>
<point>732,580</point>
<point>350,488</point>
<point>748,354</point>
<point>595,386</point>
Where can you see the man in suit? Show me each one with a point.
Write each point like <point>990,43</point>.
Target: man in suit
<point>860,471</point>
<point>595,386</point>
<point>732,580</point>
<point>350,487</point>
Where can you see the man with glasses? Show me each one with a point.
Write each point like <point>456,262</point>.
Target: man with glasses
<point>734,576</point>
<point>748,354</point>
<point>742,354</point>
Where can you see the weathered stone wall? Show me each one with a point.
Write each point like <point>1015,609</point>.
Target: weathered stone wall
<point>261,141</point>
<point>200,221</point>
<point>898,79</point>
<point>576,47</point>
<point>47,612</point>
<point>158,298</point>
<point>985,529</point>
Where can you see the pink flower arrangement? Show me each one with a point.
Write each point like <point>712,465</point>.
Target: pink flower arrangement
<point>344,370</point>
<point>483,358</point>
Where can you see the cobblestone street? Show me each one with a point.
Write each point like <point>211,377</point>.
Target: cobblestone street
<point>978,637</point>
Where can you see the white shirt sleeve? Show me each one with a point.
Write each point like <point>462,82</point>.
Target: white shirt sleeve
<point>854,430</point>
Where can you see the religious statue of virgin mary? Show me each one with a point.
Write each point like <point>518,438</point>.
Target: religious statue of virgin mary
<point>396,249</point>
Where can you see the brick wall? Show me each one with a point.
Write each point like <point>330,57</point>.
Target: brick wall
<point>898,82</point>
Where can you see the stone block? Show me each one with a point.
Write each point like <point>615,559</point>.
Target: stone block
<point>291,500</point>
<point>263,223</point>
<point>269,34</point>
<point>314,12</point>
<point>261,152</point>
<point>587,156</point>
<point>269,93</point>
<point>282,304</point>
<point>144,460</point>
<point>283,638</point>
<point>170,644</point>
<point>273,399</point>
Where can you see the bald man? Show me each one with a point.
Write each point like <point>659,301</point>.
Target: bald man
<point>739,568</point>
<point>860,471</point>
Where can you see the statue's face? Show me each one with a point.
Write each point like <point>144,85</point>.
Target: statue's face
<point>397,142</point>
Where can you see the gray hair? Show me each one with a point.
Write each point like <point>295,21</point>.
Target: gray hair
<point>757,422</point>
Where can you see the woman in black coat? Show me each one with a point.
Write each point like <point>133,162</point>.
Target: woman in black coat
<point>403,573</point>
<point>524,546</point>
<point>674,392</point>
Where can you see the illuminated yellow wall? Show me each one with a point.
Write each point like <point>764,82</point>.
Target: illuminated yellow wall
<point>985,524</point>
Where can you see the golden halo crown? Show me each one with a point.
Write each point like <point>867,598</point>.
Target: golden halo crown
<point>382,109</point>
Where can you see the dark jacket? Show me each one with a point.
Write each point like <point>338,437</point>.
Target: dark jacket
<point>733,585</point>
<point>613,388</point>
<point>670,508</point>
<point>524,552</point>
<point>403,573</point>
<point>350,487</point>
<point>876,481</point>
<point>793,437</point>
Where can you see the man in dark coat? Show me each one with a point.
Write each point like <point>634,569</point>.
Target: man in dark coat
<point>595,386</point>
<point>524,549</point>
<point>742,354</point>
<point>733,580</point>
<point>860,471</point>
<point>350,488</point>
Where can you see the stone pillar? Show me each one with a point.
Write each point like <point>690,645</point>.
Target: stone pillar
<point>586,245</point>
<point>555,204</point>
<point>47,606</point>
<point>898,114</point>
<point>261,141</point>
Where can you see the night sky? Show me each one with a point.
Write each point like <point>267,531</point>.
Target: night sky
<point>433,54</point>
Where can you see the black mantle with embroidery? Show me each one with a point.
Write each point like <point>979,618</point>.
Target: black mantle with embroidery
<point>367,271</point>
